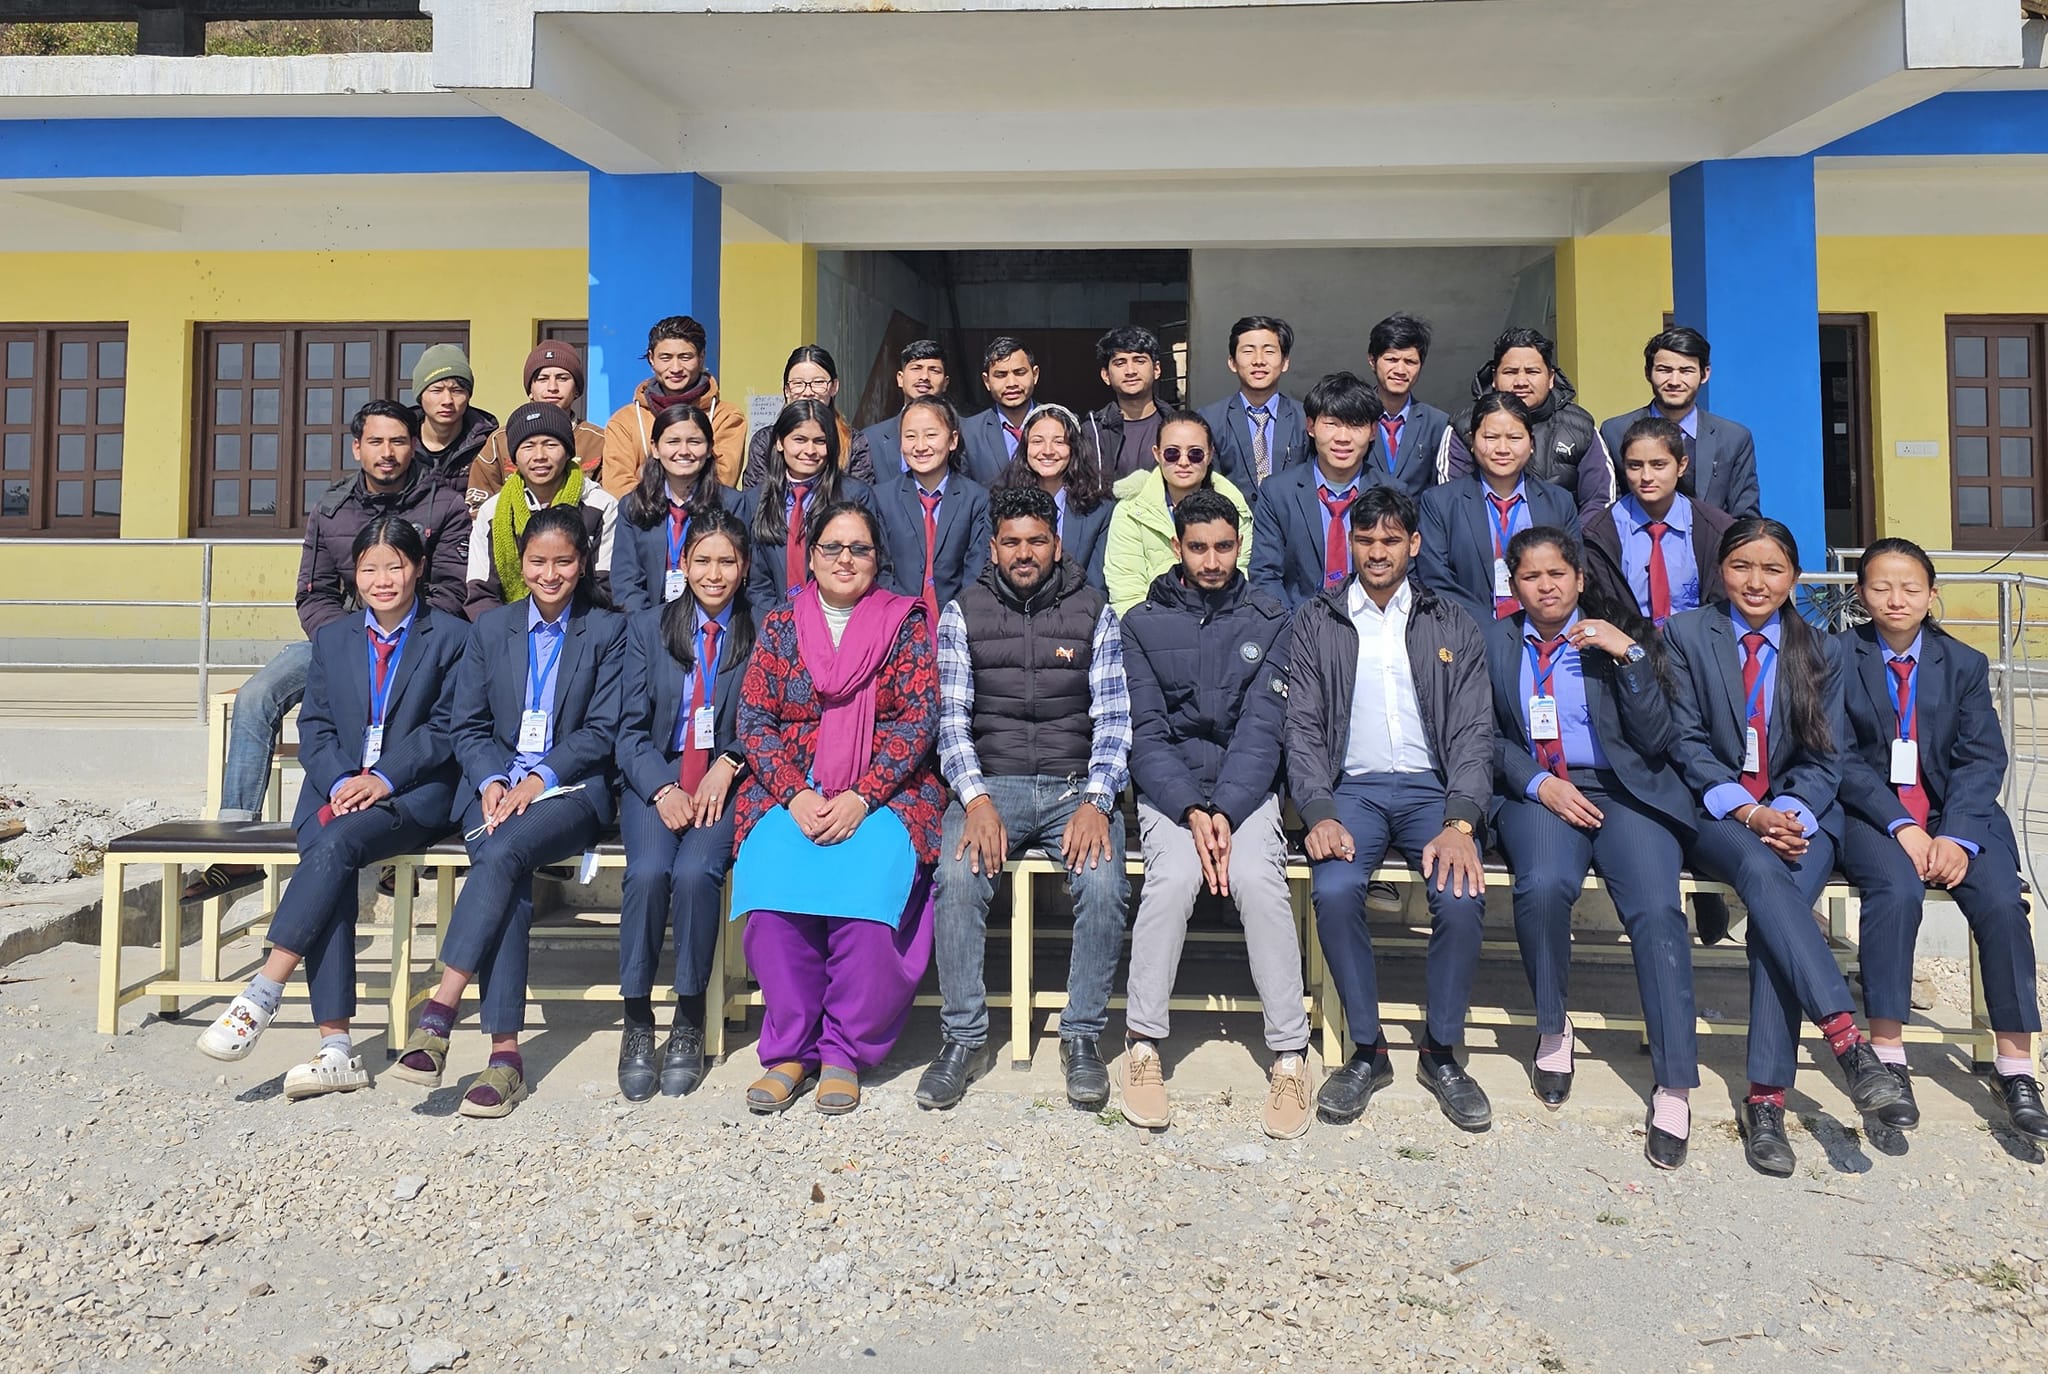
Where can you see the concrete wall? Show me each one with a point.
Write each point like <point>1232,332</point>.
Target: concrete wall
<point>857,295</point>
<point>1333,296</point>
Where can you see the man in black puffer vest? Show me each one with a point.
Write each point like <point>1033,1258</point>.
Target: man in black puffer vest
<point>1569,452</point>
<point>1035,741</point>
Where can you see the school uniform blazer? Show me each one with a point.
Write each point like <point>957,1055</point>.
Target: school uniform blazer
<point>1086,539</point>
<point>1415,465</point>
<point>1631,716</point>
<point>1723,469</point>
<point>986,451</point>
<point>490,696</point>
<point>1287,533</point>
<point>884,439</point>
<point>652,693</point>
<point>1707,712</point>
<point>1457,537</point>
<point>419,753</point>
<point>962,548</point>
<point>640,558</point>
<point>1287,439</point>
<point>1962,753</point>
<point>1608,571</point>
<point>767,577</point>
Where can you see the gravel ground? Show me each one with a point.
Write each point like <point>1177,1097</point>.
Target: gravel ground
<point>159,1213</point>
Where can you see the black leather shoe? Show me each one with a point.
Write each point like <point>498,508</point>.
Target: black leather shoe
<point>2022,1095</point>
<point>945,1082</point>
<point>1551,1088</point>
<point>636,1063</point>
<point>1663,1149</point>
<point>1870,1082</point>
<point>1763,1139</point>
<point>682,1059</point>
<point>1710,917</point>
<point>1906,1115</point>
<point>1087,1075</point>
<point>1463,1100</point>
<point>1345,1094</point>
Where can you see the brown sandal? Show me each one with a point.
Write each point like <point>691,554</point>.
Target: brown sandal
<point>842,1096</point>
<point>777,1087</point>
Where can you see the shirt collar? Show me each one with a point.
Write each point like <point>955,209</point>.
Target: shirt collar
<point>1401,415</point>
<point>1912,650</point>
<point>1521,492</point>
<point>405,625</point>
<point>1323,483</point>
<point>1398,603</point>
<point>919,488</point>
<point>1679,517</point>
<point>1059,499</point>
<point>1529,634</point>
<point>1268,408</point>
<point>724,617</point>
<point>1771,631</point>
<point>1691,423</point>
<point>535,621</point>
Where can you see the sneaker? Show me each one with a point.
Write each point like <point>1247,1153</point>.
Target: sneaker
<point>1383,897</point>
<point>330,1072</point>
<point>235,1031</point>
<point>1288,1099</point>
<point>1144,1096</point>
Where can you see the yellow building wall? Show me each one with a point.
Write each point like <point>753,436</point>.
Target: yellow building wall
<point>1612,292</point>
<point>768,304</point>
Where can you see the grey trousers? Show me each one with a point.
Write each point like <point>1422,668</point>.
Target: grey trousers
<point>1258,884</point>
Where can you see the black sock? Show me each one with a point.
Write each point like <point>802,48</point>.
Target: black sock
<point>1443,1054</point>
<point>640,1012</point>
<point>690,1009</point>
<point>1376,1050</point>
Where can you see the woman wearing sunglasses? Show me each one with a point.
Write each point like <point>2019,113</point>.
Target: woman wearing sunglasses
<point>1140,539</point>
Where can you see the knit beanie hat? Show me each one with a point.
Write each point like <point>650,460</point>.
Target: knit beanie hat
<point>532,419</point>
<point>439,363</point>
<point>552,353</point>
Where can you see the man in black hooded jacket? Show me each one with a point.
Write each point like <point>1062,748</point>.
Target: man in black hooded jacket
<point>1569,452</point>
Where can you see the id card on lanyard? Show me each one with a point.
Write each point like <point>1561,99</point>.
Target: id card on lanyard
<point>673,582</point>
<point>533,721</point>
<point>1752,754</point>
<point>1542,703</point>
<point>380,695</point>
<point>1503,522</point>
<point>1905,749</point>
<point>703,721</point>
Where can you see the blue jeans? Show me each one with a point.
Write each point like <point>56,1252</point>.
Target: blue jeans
<point>1035,811</point>
<point>672,880</point>
<point>260,708</point>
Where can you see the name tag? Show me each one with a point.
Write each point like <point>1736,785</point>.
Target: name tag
<point>1543,718</point>
<point>1752,761</point>
<point>673,585</point>
<point>1502,585</point>
<point>373,746</point>
<point>1905,762</point>
<point>701,728</point>
<point>533,731</point>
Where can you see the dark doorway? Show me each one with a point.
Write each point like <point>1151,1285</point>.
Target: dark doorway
<point>1845,429</point>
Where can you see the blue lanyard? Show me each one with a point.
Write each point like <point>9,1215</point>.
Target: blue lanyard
<point>536,671</point>
<point>1765,657</point>
<point>1904,714</point>
<point>380,700</point>
<point>707,668</point>
<point>1540,678</point>
<point>676,539</point>
<point>1504,525</point>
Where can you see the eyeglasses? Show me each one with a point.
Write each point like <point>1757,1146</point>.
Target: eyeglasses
<point>812,387</point>
<point>1179,455</point>
<point>835,551</point>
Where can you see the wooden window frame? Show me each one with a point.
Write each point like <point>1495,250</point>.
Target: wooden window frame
<point>1990,328</point>
<point>44,432</point>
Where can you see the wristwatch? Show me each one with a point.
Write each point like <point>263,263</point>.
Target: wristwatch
<point>1102,802</point>
<point>1463,827</point>
<point>1636,654</point>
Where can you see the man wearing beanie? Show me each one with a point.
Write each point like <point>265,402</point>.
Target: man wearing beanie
<point>452,431</point>
<point>543,475</point>
<point>675,350</point>
<point>553,375</point>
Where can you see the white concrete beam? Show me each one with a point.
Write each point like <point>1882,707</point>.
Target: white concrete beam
<point>1963,33</point>
<point>1624,205</point>
<point>128,210</point>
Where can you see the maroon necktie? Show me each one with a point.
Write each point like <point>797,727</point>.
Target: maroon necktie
<point>1503,606</point>
<point>931,552</point>
<point>1660,576</point>
<point>1911,795</point>
<point>1759,782</point>
<point>696,761</point>
<point>1549,752</point>
<point>796,571</point>
<point>1390,431</point>
<point>1336,541</point>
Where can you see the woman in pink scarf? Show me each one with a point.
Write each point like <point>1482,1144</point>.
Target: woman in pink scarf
<point>838,820</point>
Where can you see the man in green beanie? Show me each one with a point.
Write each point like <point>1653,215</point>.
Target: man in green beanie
<point>452,431</point>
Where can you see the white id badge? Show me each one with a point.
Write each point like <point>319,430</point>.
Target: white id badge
<point>533,731</point>
<point>1543,718</point>
<point>587,869</point>
<point>1905,762</point>
<point>673,585</point>
<point>1501,585</point>
<point>1752,761</point>
<point>373,747</point>
<point>701,728</point>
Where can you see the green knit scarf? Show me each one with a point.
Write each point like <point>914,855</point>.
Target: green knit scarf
<point>509,522</point>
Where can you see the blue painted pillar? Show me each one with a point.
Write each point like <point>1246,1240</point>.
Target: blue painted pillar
<point>654,252</point>
<point>1743,273</point>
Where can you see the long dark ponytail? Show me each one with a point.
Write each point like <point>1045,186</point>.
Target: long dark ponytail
<point>1802,656</point>
<point>679,617</point>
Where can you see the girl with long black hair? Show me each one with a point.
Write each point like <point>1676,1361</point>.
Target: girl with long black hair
<point>803,476</point>
<point>1052,457</point>
<point>678,482</point>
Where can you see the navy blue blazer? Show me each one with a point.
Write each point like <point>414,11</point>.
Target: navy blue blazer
<point>1414,469</point>
<point>1457,537</point>
<point>987,451</point>
<point>490,696</point>
<point>884,439</point>
<point>1631,717</point>
<point>1707,713</point>
<point>962,549</point>
<point>1722,473</point>
<point>652,690</point>
<point>1962,752</point>
<point>1085,539</point>
<point>1287,534</point>
<point>767,575</point>
<point>419,755</point>
<point>1287,439</point>
<point>640,558</point>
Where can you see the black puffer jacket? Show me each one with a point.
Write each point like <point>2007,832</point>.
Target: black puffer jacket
<point>1031,658</point>
<point>1568,450</point>
<point>450,467</point>
<point>1208,676</point>
<point>327,563</point>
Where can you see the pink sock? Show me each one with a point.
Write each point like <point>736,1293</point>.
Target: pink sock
<point>1891,1054</point>
<point>1554,1052</point>
<point>2013,1066</point>
<point>1671,1111</point>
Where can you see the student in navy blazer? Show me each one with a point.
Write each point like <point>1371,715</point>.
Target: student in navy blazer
<point>1301,541</point>
<point>1257,354</point>
<point>1928,812</point>
<point>537,701</point>
<point>803,476</point>
<point>930,443</point>
<point>678,481</point>
<point>1722,469</point>
<point>1009,373</point>
<point>380,780</point>
<point>675,812</point>
<point>1053,458</point>
<point>920,371</point>
<point>1409,432</point>
<point>1584,783</point>
<point>1751,669</point>
<point>1464,546</point>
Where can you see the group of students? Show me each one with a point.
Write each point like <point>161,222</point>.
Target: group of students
<point>863,682</point>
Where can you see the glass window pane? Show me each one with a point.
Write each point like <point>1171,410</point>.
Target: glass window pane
<point>320,362</point>
<point>71,499</point>
<point>19,400</point>
<point>263,406</point>
<point>74,362</point>
<point>408,354</point>
<point>106,452</point>
<point>71,406</point>
<point>2015,407</point>
<point>263,498</point>
<point>227,362</point>
<point>227,496</point>
<point>1973,506</point>
<point>14,498</point>
<point>1972,407</point>
<point>14,456</point>
<point>2012,356</point>
<point>263,453</point>
<point>319,452</point>
<point>268,359</point>
<point>354,399</point>
<point>21,358</point>
<point>320,406</point>
<point>1973,455</point>
<point>113,359</point>
<point>316,487</point>
<point>106,496</point>
<point>227,406</point>
<point>71,453</point>
<point>2016,507</point>
<point>107,404</point>
<point>227,452</point>
<point>1969,357</point>
<point>355,358</point>
<point>2015,457</point>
